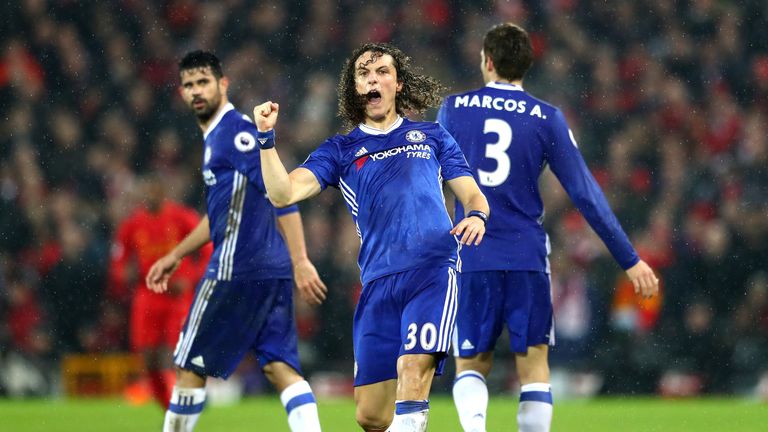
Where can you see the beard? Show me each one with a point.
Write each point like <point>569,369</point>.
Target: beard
<point>205,112</point>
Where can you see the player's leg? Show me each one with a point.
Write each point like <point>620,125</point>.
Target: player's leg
<point>157,362</point>
<point>414,381</point>
<point>430,298</point>
<point>376,341</point>
<point>188,394</point>
<point>374,405</point>
<point>277,349</point>
<point>186,403</point>
<point>148,312</point>
<point>530,321</point>
<point>479,323</point>
<point>470,394</point>
<point>534,413</point>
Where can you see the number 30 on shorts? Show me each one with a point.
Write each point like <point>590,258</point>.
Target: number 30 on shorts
<point>427,336</point>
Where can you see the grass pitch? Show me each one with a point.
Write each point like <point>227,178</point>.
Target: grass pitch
<point>266,414</point>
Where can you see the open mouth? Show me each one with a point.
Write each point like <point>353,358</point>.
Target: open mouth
<point>373,97</point>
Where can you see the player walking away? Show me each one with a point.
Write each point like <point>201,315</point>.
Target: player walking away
<point>245,300</point>
<point>148,233</point>
<point>389,171</point>
<point>509,137</point>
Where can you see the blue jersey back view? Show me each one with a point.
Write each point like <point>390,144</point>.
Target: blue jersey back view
<point>508,138</point>
<point>392,183</point>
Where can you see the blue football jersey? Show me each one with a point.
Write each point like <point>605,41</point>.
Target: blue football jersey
<point>509,137</point>
<point>392,182</point>
<point>247,244</point>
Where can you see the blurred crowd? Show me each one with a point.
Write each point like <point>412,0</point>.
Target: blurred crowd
<point>668,101</point>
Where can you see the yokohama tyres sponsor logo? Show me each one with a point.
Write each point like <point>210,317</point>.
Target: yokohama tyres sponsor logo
<point>411,150</point>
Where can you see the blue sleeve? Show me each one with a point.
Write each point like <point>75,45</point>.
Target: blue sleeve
<point>324,164</point>
<point>244,153</point>
<point>282,211</point>
<point>568,165</point>
<point>450,156</point>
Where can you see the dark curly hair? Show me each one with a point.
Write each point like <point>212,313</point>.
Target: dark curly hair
<point>418,93</point>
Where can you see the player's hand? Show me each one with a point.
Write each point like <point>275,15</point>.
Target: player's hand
<point>265,116</point>
<point>645,281</point>
<point>471,229</point>
<point>308,282</point>
<point>160,273</point>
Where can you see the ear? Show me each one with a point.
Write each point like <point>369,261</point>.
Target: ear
<point>489,64</point>
<point>399,86</point>
<point>223,84</point>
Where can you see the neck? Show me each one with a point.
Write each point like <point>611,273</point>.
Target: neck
<point>382,123</point>
<point>204,125</point>
<point>498,79</point>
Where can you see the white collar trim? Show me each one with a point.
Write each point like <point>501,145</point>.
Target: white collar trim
<point>227,108</point>
<point>375,131</point>
<point>504,86</point>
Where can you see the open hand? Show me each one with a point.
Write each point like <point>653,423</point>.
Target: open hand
<point>311,287</point>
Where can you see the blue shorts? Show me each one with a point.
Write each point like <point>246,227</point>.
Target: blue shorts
<point>489,299</point>
<point>228,318</point>
<point>412,312</point>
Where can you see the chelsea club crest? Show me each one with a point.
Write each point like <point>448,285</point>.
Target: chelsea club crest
<point>415,136</point>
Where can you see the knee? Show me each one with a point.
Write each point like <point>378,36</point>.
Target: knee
<point>281,375</point>
<point>372,420</point>
<point>480,363</point>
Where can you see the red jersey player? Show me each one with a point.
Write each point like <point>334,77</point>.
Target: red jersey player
<point>147,234</point>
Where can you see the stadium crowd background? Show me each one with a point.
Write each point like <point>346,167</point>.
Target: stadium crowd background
<point>668,100</point>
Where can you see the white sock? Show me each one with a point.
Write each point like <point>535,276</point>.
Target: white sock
<point>299,403</point>
<point>184,409</point>
<point>410,416</point>
<point>534,414</point>
<point>470,395</point>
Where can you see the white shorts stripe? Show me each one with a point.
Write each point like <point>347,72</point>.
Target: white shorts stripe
<point>448,318</point>
<point>195,316</point>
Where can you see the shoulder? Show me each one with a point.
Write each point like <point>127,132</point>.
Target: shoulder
<point>541,106</point>
<point>238,130</point>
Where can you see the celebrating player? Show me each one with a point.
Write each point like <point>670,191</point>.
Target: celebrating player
<point>509,137</point>
<point>148,233</point>
<point>390,171</point>
<point>245,300</point>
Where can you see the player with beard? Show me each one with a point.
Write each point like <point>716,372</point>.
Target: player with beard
<point>390,172</point>
<point>244,302</point>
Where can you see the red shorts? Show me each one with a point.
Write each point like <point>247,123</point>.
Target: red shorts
<point>156,319</point>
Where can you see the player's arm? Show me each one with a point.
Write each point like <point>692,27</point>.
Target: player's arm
<point>472,227</point>
<point>569,167</point>
<point>162,269</point>
<point>308,282</point>
<point>283,189</point>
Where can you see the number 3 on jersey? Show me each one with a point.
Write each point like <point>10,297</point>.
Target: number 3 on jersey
<point>496,151</point>
<point>427,336</point>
